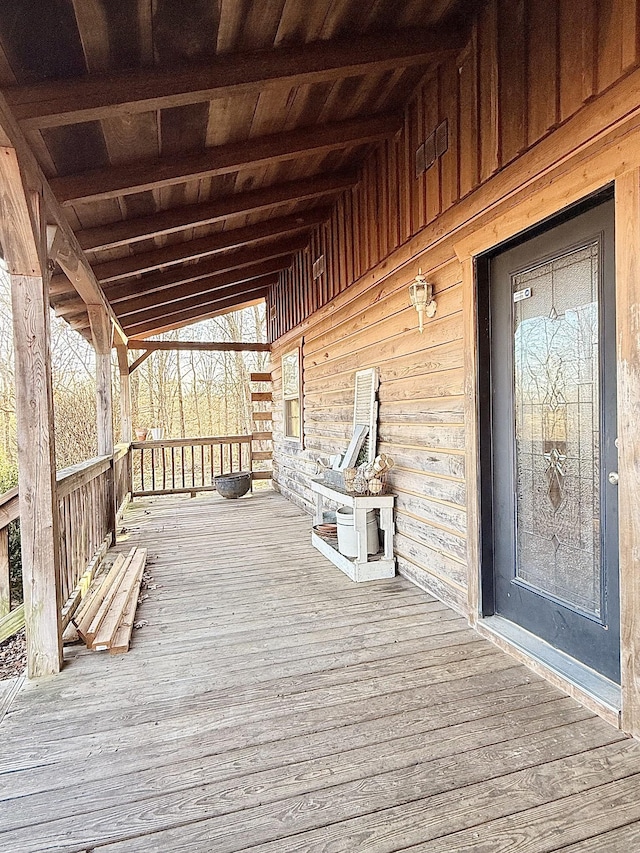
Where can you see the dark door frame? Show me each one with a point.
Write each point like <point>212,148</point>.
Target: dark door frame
<point>486,597</point>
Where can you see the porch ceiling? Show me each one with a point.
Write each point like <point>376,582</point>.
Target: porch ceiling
<point>194,145</point>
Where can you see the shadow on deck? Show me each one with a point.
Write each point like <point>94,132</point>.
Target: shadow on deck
<point>272,705</point>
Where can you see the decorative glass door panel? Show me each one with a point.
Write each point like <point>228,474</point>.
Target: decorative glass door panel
<point>557,428</point>
<point>553,428</point>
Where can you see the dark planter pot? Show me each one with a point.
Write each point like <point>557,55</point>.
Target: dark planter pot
<point>233,485</point>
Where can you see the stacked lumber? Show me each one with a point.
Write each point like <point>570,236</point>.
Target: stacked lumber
<point>105,620</point>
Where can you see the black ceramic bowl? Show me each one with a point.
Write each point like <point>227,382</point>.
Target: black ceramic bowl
<point>233,485</point>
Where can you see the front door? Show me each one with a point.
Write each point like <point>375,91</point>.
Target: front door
<point>553,436</point>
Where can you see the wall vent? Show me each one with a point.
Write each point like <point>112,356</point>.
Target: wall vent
<point>318,267</point>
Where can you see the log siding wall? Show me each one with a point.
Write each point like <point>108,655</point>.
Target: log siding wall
<point>518,101</point>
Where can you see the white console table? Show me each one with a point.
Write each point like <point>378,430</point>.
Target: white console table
<point>362,567</point>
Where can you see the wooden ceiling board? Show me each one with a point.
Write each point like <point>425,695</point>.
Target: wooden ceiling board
<point>233,13</point>
<point>77,148</point>
<point>52,28</point>
<point>260,25</point>
<point>185,31</point>
<point>229,119</point>
<point>132,137</point>
<point>132,164</point>
<point>295,28</point>
<point>109,33</point>
<point>305,104</point>
<point>7,77</point>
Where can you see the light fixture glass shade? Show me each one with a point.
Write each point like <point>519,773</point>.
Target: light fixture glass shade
<point>421,294</point>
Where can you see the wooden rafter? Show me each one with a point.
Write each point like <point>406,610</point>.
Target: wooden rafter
<point>195,249</point>
<point>256,290</point>
<point>196,300</point>
<point>223,262</point>
<point>195,215</point>
<point>118,94</point>
<point>222,159</point>
<point>226,283</point>
<point>188,318</point>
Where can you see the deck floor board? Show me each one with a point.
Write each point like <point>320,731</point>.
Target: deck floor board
<point>269,704</point>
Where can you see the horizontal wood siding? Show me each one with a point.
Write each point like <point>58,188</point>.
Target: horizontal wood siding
<point>529,68</point>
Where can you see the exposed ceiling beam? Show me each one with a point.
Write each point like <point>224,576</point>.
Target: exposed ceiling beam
<point>194,215</point>
<point>115,181</point>
<point>191,272</point>
<point>192,250</point>
<point>256,289</point>
<point>198,346</point>
<point>221,284</point>
<point>74,262</point>
<point>197,317</point>
<point>238,288</point>
<point>96,97</point>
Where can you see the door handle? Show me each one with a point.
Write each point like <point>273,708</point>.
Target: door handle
<point>614,478</point>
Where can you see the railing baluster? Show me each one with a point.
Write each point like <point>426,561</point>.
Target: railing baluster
<point>153,469</point>
<point>183,466</point>
<point>193,465</point>
<point>142,469</point>
<point>202,464</point>
<point>173,468</point>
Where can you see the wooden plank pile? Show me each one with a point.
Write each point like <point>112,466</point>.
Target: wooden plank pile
<point>105,618</point>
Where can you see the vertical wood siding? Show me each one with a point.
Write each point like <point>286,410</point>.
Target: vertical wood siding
<point>529,67</point>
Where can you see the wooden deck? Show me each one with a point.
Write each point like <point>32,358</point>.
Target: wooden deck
<point>272,705</point>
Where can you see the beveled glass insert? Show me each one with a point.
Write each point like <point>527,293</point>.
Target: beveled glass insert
<point>557,428</point>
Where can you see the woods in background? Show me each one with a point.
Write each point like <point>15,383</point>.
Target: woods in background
<point>186,393</point>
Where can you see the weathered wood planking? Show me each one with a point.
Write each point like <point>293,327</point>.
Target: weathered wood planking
<point>527,66</point>
<point>296,709</point>
<point>627,304</point>
<point>503,97</point>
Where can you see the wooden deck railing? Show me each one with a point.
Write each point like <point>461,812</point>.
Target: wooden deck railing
<point>122,475</point>
<point>11,614</point>
<point>187,465</point>
<point>87,521</point>
<point>85,494</point>
<point>89,493</point>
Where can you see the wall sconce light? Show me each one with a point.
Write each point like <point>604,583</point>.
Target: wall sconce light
<point>421,293</point>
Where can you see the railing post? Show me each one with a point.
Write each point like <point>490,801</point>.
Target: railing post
<point>102,335</point>
<point>126,418</point>
<point>5,576</point>
<point>23,226</point>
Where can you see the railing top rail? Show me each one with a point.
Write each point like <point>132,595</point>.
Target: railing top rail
<point>9,507</point>
<point>121,450</point>
<point>70,479</point>
<point>192,442</point>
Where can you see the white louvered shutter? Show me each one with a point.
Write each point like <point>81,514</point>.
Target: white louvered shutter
<point>365,408</point>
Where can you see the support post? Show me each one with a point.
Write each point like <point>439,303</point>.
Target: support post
<point>627,192</point>
<point>5,576</point>
<point>25,248</point>
<point>126,419</point>
<point>102,335</point>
